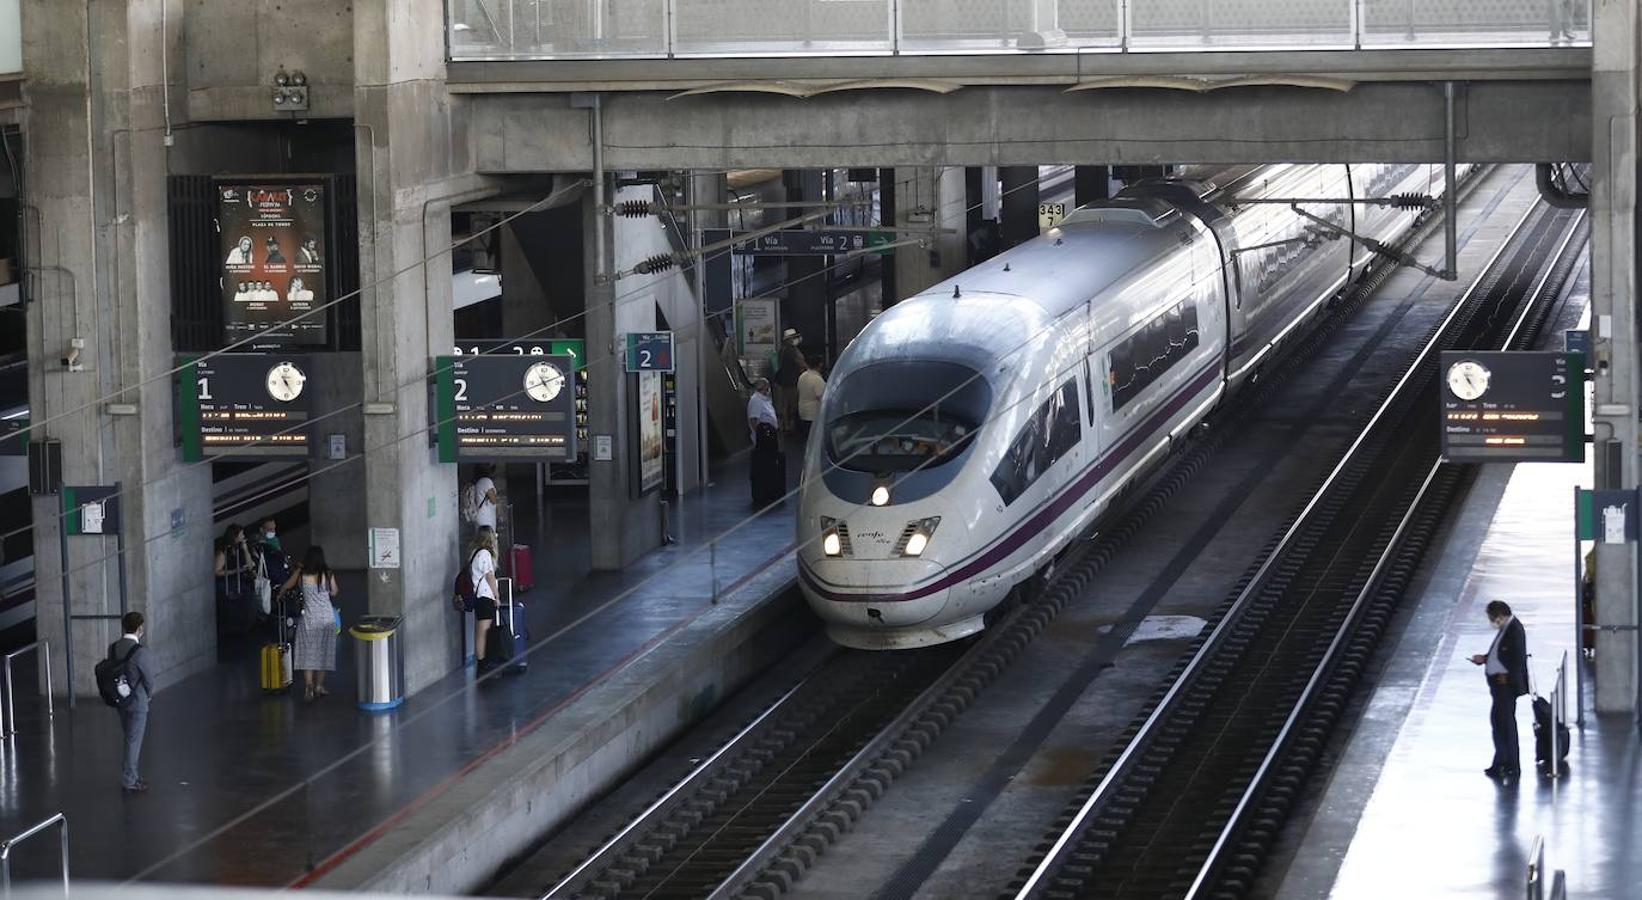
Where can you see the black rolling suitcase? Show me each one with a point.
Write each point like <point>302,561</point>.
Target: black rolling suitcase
<point>510,639</point>
<point>1544,721</point>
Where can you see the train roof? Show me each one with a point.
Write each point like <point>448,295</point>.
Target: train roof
<point>1095,248</point>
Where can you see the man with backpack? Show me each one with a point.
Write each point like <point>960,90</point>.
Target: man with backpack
<point>126,684</point>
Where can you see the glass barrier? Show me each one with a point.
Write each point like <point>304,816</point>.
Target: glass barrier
<point>580,29</point>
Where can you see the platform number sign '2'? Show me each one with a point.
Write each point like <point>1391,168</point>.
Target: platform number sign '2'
<point>505,406</point>
<point>649,351</point>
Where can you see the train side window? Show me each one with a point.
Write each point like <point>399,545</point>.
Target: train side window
<point>1155,348</point>
<point>1019,466</point>
<point>1052,431</point>
<point>1063,425</point>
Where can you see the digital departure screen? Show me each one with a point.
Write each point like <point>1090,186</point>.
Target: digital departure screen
<point>501,406</point>
<point>245,405</point>
<point>1513,406</point>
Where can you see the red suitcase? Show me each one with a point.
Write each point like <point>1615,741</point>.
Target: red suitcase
<point>521,567</point>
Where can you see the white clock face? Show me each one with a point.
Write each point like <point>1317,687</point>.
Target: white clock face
<point>285,382</point>
<point>543,382</point>
<point>1468,379</point>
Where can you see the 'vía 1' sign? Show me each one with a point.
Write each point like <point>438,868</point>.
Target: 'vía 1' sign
<point>245,405</point>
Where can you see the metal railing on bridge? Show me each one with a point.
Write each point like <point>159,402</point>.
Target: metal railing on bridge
<point>591,29</point>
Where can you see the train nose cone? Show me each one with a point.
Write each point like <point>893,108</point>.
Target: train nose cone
<point>909,611</point>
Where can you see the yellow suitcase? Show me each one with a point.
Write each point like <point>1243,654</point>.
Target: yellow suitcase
<point>276,668</point>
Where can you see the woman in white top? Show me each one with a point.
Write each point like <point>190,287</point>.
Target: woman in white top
<point>482,572</point>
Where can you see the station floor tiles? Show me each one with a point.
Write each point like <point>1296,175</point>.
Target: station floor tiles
<point>1408,811</point>
<point>257,790</point>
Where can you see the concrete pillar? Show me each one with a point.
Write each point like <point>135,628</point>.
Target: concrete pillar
<point>1091,183</point>
<point>624,526</point>
<point>888,213</point>
<point>1020,204</point>
<point>1614,86</point>
<point>804,306</point>
<point>932,202</point>
<point>405,168</point>
<point>96,162</point>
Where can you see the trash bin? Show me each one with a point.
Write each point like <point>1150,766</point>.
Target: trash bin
<point>379,655</point>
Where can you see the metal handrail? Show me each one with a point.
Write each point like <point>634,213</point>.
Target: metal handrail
<point>1559,714</point>
<point>1358,33</point>
<point>1535,882</point>
<point>7,845</point>
<point>8,716</point>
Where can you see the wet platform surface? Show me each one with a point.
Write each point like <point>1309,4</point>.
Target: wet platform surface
<point>256,789</point>
<point>1408,811</point>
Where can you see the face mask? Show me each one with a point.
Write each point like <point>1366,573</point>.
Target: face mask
<point>1497,623</point>
<point>268,534</point>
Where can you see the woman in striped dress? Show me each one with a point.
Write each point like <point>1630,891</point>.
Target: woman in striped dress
<point>316,630</point>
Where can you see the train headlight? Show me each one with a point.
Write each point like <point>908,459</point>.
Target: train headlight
<point>915,538</point>
<point>835,537</point>
<point>880,495</point>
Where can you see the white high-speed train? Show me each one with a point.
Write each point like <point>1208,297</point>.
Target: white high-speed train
<point>970,432</point>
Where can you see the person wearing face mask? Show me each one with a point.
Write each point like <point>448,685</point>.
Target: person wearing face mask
<point>1505,665</point>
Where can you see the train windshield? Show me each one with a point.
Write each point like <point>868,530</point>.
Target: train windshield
<point>901,416</point>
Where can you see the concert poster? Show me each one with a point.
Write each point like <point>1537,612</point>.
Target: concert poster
<point>273,265</point>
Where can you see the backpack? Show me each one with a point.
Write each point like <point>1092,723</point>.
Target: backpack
<point>471,501</point>
<point>113,677</point>
<point>464,596</point>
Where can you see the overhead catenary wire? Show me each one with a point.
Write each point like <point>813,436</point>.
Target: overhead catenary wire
<point>706,546</point>
<point>277,327</point>
<point>409,383</point>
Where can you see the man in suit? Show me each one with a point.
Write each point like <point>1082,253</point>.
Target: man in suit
<point>1506,667</point>
<point>134,711</point>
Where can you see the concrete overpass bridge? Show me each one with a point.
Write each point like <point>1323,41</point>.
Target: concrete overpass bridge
<point>917,82</point>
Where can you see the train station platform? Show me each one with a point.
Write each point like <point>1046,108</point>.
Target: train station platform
<point>266,790</point>
<point>1408,810</point>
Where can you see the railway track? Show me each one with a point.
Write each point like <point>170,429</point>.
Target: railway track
<point>1193,801</point>
<point>751,818</point>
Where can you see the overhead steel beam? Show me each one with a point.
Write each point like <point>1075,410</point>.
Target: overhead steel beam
<point>1449,64</point>
<point>986,126</point>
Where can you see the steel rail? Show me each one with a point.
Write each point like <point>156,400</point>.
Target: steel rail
<point>617,844</point>
<point>860,762</point>
<point>1325,667</point>
<point>1123,766</point>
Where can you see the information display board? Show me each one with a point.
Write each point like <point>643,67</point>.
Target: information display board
<point>575,348</point>
<point>798,242</point>
<point>245,405</point>
<point>505,406</point>
<point>273,267</point>
<point>1512,406</point>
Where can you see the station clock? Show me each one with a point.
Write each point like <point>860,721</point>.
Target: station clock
<point>543,382</point>
<point>285,381</point>
<point>1468,379</point>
